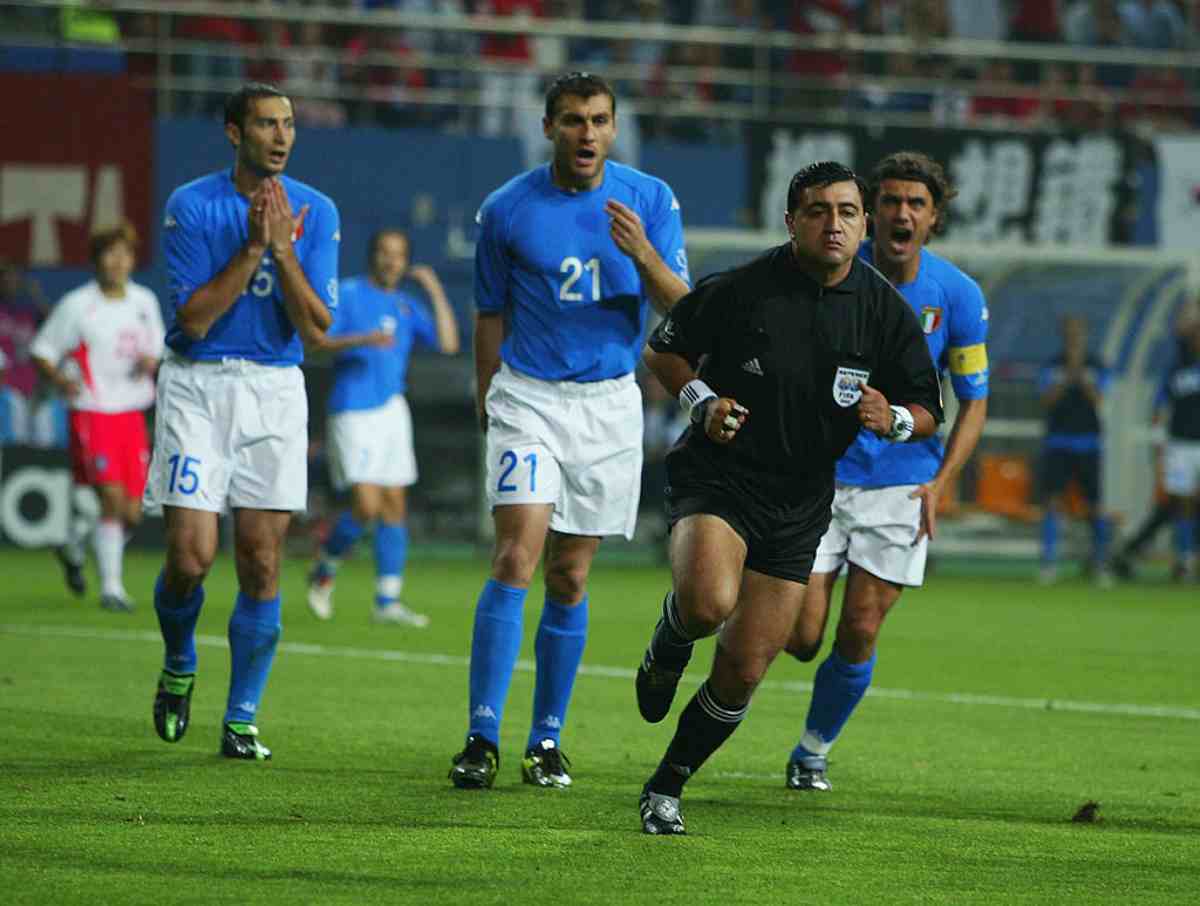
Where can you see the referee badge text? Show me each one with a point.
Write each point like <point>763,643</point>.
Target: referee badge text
<point>847,385</point>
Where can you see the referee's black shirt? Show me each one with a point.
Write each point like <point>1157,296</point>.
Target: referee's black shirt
<point>792,352</point>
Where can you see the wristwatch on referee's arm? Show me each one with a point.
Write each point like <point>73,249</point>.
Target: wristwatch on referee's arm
<point>694,399</point>
<point>903,425</point>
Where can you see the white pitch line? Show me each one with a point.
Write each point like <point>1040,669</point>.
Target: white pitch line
<point>623,673</point>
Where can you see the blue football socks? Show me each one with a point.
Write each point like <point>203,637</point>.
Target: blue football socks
<point>253,635</point>
<point>346,531</point>
<point>1101,537</point>
<point>391,553</point>
<point>1050,526</point>
<point>495,645</point>
<point>177,619</point>
<point>561,636</point>
<point>1185,539</point>
<point>837,689</point>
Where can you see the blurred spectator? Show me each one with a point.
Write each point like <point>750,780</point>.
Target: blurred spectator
<point>890,97</point>
<point>513,84</point>
<point>143,28</point>
<point>1010,100</point>
<point>381,67</point>
<point>88,23</point>
<point>820,67</point>
<point>216,74</point>
<point>312,78</point>
<point>272,44</point>
<point>981,20</point>
<point>1156,24</point>
<point>1035,20</point>
<point>744,14</point>
<point>1158,95</point>
<point>22,308</point>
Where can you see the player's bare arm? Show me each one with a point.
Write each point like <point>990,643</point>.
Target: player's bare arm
<point>489,334</point>
<point>66,387</point>
<point>443,314</point>
<point>305,309</point>
<point>663,286</point>
<point>323,343</point>
<point>875,414</point>
<point>207,304</point>
<point>723,416</point>
<point>964,436</point>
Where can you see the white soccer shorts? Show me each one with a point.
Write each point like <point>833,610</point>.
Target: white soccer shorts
<point>229,434</point>
<point>577,446</point>
<point>1181,467</point>
<point>373,446</point>
<point>874,528</point>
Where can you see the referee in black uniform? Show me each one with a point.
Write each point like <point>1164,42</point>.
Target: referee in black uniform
<point>801,347</point>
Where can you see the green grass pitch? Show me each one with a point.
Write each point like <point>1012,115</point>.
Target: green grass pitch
<point>1000,708</point>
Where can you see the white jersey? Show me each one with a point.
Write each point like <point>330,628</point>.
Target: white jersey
<point>102,340</point>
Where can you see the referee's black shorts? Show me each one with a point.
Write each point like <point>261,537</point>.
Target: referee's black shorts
<point>781,523</point>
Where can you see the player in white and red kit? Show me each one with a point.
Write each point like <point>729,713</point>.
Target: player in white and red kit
<point>100,349</point>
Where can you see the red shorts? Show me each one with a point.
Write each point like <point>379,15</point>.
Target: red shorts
<point>110,448</point>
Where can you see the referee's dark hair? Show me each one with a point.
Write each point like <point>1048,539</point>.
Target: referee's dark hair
<point>820,174</point>
<point>237,105</point>
<point>580,84</point>
<point>913,166</point>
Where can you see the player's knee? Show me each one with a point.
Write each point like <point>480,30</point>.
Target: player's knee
<point>567,582</point>
<point>804,651</point>
<point>513,565</point>
<point>258,567</point>
<point>186,569</point>
<point>861,627</point>
<point>704,609</point>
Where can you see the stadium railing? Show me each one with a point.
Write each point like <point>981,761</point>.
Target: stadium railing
<point>766,89</point>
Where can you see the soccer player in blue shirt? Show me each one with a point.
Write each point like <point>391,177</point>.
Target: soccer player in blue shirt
<point>568,254</point>
<point>1178,404</point>
<point>885,504</point>
<point>252,275</point>
<point>370,438</point>
<point>1072,388</point>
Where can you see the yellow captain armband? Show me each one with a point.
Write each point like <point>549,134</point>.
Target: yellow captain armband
<point>965,360</point>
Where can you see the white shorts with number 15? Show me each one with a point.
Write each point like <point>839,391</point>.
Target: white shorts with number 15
<point>229,434</point>
<point>577,446</point>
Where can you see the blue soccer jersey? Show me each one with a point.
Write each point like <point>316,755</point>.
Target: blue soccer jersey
<point>1073,424</point>
<point>206,225</point>
<point>545,257</point>
<point>954,316</point>
<point>366,377</point>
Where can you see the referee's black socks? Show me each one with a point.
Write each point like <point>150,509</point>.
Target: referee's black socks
<point>670,647</point>
<point>704,726</point>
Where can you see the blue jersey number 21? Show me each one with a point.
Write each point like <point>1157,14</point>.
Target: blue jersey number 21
<point>508,459</point>
<point>183,476</point>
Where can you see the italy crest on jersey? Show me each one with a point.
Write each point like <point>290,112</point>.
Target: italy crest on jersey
<point>847,386</point>
<point>931,318</point>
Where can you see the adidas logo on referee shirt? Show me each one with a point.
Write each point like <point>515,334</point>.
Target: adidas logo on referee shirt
<point>753,367</point>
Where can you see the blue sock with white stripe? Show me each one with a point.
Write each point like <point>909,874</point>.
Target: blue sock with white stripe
<point>495,645</point>
<point>561,636</point>
<point>253,635</point>
<point>391,553</point>
<point>1050,525</point>
<point>838,687</point>
<point>346,531</point>
<point>177,619</point>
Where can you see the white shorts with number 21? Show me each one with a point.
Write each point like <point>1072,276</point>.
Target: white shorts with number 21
<point>577,446</point>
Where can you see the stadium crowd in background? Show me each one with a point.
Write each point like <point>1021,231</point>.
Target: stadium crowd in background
<point>344,71</point>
